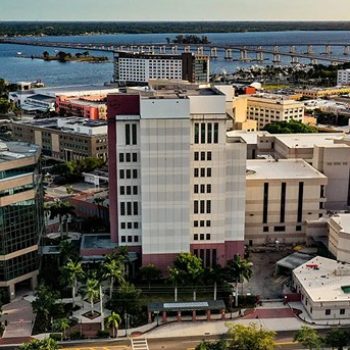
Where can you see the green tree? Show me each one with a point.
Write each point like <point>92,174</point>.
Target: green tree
<point>175,277</point>
<point>45,305</point>
<point>150,273</point>
<point>62,210</point>
<point>206,345</point>
<point>46,55</point>
<point>113,321</point>
<point>5,105</point>
<point>239,269</point>
<point>45,344</point>
<point>337,338</point>
<point>92,292</point>
<point>114,269</point>
<point>72,272</point>
<point>309,337</point>
<point>215,275</point>
<point>191,267</point>
<point>289,127</point>
<point>67,251</point>
<point>250,337</point>
<point>62,324</point>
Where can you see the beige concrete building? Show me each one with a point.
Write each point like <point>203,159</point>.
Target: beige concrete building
<point>322,92</point>
<point>324,288</point>
<point>339,236</point>
<point>21,215</point>
<point>280,197</point>
<point>65,138</point>
<point>266,109</point>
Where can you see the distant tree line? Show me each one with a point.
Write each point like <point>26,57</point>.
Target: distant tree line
<point>76,28</point>
<point>189,39</point>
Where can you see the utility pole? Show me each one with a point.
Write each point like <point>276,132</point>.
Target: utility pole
<point>101,309</point>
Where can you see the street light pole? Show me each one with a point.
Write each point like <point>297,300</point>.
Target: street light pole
<point>101,309</point>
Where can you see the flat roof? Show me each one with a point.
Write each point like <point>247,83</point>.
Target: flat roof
<point>308,140</point>
<point>187,306</point>
<point>343,220</point>
<point>268,169</point>
<point>13,150</point>
<point>324,279</point>
<point>250,138</point>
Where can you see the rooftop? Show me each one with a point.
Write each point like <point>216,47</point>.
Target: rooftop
<point>308,140</point>
<point>281,169</point>
<point>325,279</point>
<point>342,220</point>
<point>250,138</point>
<point>41,97</point>
<point>275,99</point>
<point>17,150</point>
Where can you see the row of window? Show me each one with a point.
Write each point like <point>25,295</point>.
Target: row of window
<point>202,172</point>
<point>201,237</point>
<point>128,190</point>
<point>129,225</point>
<point>129,208</point>
<point>202,188</point>
<point>203,156</point>
<point>128,174</point>
<point>201,223</point>
<point>127,157</point>
<point>130,239</point>
<point>202,207</point>
<point>281,228</point>
<point>206,133</point>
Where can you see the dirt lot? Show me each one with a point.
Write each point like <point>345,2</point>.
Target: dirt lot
<point>264,282</point>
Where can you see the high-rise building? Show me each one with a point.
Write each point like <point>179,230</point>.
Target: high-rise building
<point>176,183</point>
<point>21,214</point>
<point>135,68</point>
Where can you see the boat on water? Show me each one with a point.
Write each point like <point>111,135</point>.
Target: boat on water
<point>19,53</point>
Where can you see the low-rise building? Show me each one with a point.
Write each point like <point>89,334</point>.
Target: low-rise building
<point>280,196</point>
<point>339,236</point>
<point>38,103</point>
<point>323,92</point>
<point>343,77</point>
<point>324,288</point>
<point>268,108</point>
<point>64,138</point>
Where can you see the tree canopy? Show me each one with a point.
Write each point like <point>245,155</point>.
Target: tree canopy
<point>290,127</point>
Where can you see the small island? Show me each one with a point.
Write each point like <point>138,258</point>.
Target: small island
<point>189,39</point>
<point>63,56</point>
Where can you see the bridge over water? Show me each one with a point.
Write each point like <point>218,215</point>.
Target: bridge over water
<point>245,52</point>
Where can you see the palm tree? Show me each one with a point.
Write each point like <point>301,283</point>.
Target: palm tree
<point>175,277</point>
<point>215,275</point>
<point>61,209</point>
<point>150,273</point>
<point>92,292</point>
<point>62,325</point>
<point>115,271</point>
<point>73,271</point>
<point>240,270</point>
<point>113,321</point>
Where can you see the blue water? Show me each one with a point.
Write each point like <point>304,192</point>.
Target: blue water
<point>14,68</point>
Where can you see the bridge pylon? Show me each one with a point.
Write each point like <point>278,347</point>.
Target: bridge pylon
<point>260,56</point>
<point>292,49</point>
<point>328,49</point>
<point>228,54</point>
<point>276,58</point>
<point>213,52</point>
<point>310,50</point>
<point>295,60</point>
<point>244,55</point>
<point>174,50</point>
<point>200,50</point>
<point>187,48</point>
<point>313,61</point>
<point>346,49</point>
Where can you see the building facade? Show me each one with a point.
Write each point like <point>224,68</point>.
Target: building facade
<point>134,68</point>
<point>339,236</point>
<point>21,214</point>
<point>176,184</point>
<point>343,77</point>
<point>267,109</point>
<point>64,138</point>
<point>280,197</point>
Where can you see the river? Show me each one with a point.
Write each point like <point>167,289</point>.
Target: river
<point>15,68</point>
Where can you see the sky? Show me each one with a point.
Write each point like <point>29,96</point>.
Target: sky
<point>182,10</point>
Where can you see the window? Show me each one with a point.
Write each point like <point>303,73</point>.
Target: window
<point>202,132</point>
<point>128,190</point>
<point>201,223</point>
<point>123,239</point>
<point>122,208</point>
<point>121,157</point>
<point>136,225</point>
<point>283,202</point>
<point>201,237</point>
<point>202,204</point>
<point>207,237</point>
<point>342,311</point>
<point>195,223</point>
<point>129,239</point>
<point>128,173</point>
<point>208,172</point>
<point>196,172</point>
<point>196,155</point>
<point>202,155</point>
<point>195,207</point>
<point>136,208</point>
<point>266,229</point>
<point>202,188</point>
<point>134,134</point>
<point>129,225</point>
<point>300,201</point>
<point>266,200</point>
<point>209,132</point>
<point>327,312</point>
<point>208,155</point>
<point>208,223</point>
<point>134,189</point>
<point>134,173</point>
<point>136,239</point>
<point>128,208</point>
<point>196,133</point>
<point>209,207</point>
<point>128,157</point>
<point>298,228</point>
<point>208,188</point>
<point>202,172</point>
<point>279,228</point>
<point>195,237</point>
<point>195,188</point>
<point>134,157</point>
<point>122,190</point>
<point>216,132</point>
<point>127,134</point>
<point>122,225</point>
<point>121,174</point>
